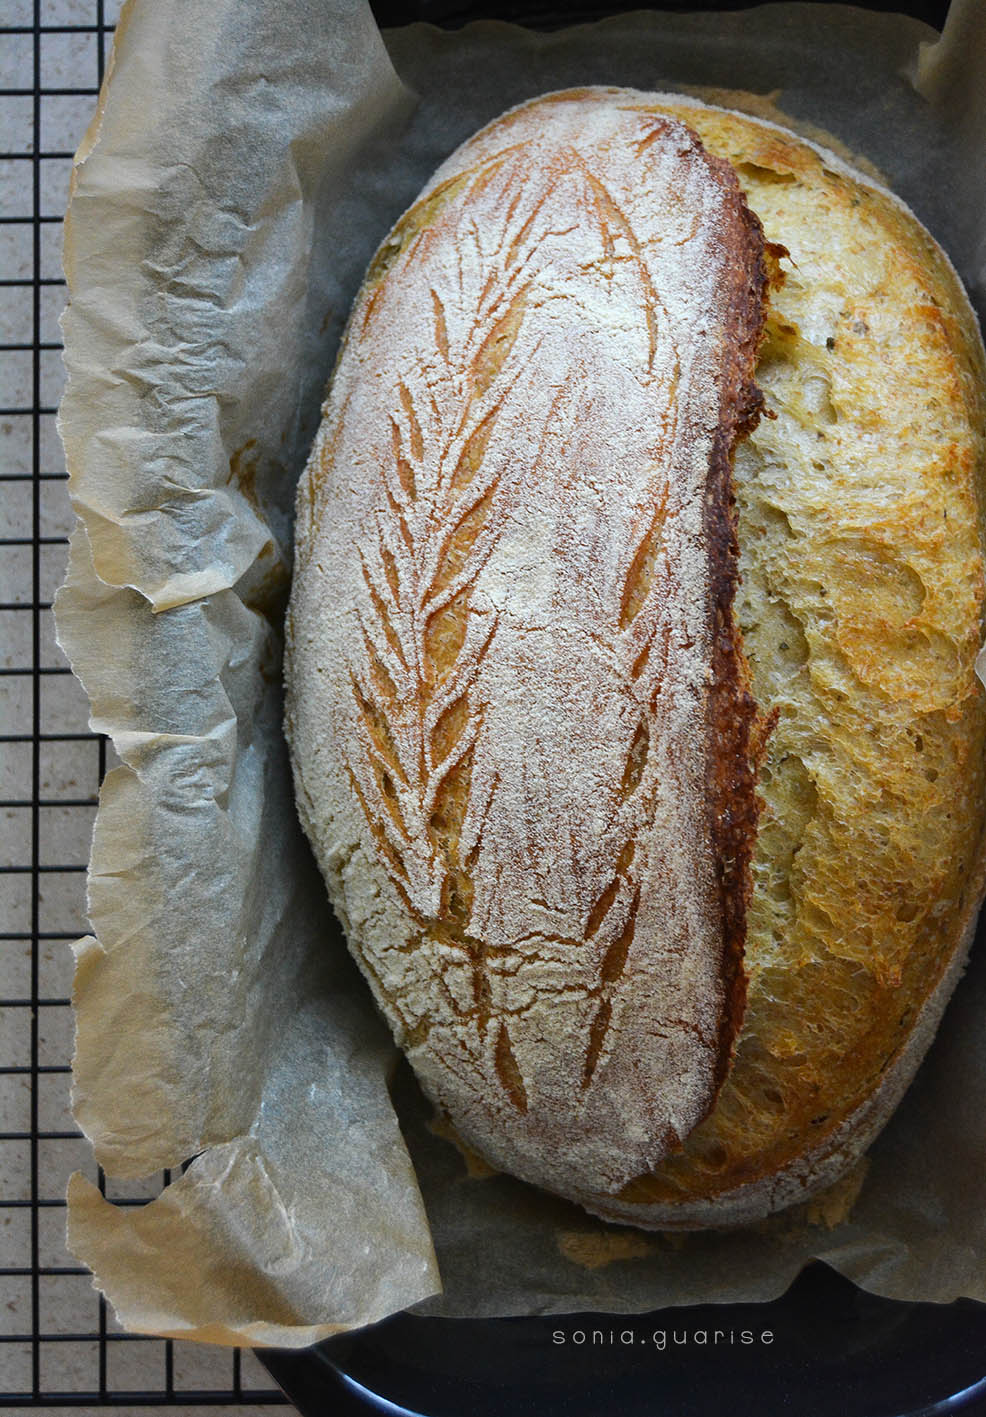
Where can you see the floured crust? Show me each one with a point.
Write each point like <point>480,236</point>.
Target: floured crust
<point>520,718</point>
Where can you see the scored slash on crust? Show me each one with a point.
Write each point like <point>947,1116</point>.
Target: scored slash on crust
<point>420,727</point>
<point>510,322</point>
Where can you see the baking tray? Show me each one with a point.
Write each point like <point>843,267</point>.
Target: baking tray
<point>823,1349</point>
<point>833,1351</point>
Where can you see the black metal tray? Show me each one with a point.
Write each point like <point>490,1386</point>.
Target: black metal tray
<point>832,1350</point>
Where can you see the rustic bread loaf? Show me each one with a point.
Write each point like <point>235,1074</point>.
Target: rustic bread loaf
<point>526,716</point>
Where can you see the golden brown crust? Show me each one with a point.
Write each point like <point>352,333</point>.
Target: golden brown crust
<point>733,716</point>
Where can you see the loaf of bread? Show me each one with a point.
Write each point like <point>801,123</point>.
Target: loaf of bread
<point>630,653</point>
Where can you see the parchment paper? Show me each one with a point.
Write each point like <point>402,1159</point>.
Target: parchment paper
<point>246,161</point>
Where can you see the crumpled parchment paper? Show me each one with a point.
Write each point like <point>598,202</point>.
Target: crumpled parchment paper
<point>244,164</point>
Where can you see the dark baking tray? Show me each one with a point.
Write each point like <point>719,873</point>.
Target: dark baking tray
<point>834,1350</point>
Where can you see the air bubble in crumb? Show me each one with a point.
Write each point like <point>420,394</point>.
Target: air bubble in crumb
<point>765,106</point>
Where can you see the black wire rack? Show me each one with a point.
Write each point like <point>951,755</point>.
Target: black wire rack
<point>59,1342</point>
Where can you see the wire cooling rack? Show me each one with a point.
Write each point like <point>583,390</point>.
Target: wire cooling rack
<point>59,1342</point>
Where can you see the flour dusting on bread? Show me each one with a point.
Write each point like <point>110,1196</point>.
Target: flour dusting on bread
<point>517,688</point>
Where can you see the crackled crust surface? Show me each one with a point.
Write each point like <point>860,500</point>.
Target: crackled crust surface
<point>519,713</point>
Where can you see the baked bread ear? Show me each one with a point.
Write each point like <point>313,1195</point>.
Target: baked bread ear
<point>521,717</point>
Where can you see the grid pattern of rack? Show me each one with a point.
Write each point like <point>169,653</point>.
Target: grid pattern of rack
<point>59,1342</point>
